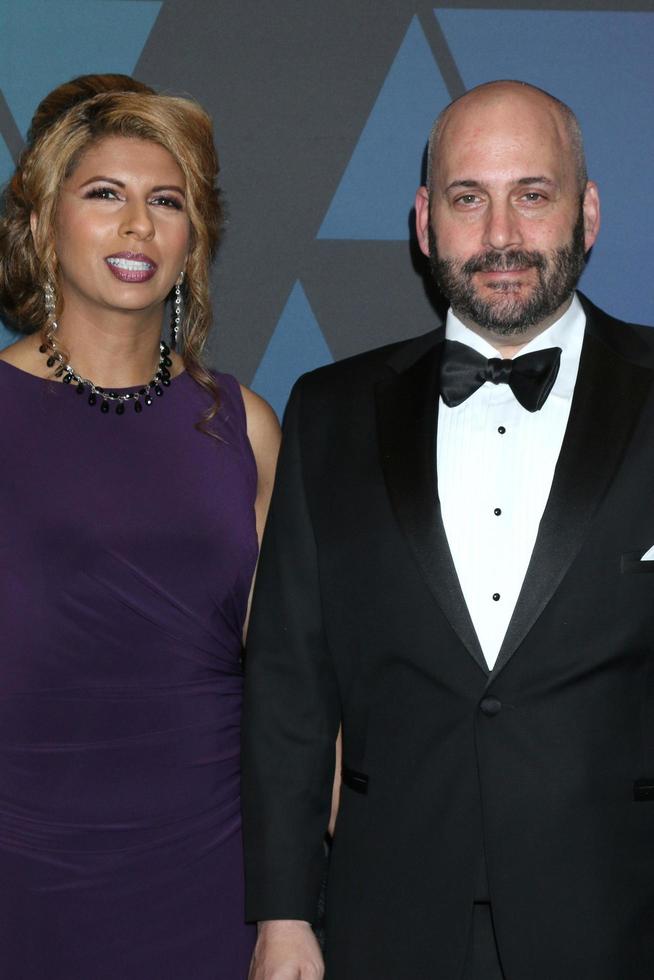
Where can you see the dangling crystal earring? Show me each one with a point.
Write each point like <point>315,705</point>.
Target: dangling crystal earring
<point>176,315</point>
<point>50,304</point>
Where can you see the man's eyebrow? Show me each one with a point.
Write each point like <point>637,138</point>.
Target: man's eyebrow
<point>540,179</point>
<point>537,180</point>
<point>463,183</point>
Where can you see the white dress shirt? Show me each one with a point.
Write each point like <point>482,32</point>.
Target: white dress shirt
<point>495,465</point>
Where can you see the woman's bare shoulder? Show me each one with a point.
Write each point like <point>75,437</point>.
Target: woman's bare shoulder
<point>263,425</point>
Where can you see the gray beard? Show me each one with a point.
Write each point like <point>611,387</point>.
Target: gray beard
<point>558,274</point>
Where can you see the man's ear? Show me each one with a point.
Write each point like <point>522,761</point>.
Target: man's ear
<point>422,219</point>
<point>591,208</point>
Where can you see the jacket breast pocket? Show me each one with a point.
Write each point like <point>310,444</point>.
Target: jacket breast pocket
<point>631,563</point>
<point>644,790</point>
<point>644,785</point>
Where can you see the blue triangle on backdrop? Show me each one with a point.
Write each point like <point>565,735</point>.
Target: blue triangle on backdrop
<point>613,107</point>
<point>46,42</point>
<point>377,190</point>
<point>297,345</point>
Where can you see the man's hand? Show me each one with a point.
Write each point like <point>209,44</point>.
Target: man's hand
<point>286,950</point>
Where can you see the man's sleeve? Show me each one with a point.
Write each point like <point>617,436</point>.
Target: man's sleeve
<point>291,710</point>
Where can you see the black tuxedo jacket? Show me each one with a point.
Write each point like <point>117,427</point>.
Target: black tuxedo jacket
<point>545,764</point>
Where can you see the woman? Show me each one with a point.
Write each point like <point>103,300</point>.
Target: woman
<point>136,483</point>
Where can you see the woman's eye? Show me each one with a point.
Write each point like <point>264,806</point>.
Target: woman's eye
<point>168,202</point>
<point>104,193</point>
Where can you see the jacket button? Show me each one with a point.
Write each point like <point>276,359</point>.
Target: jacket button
<point>490,706</point>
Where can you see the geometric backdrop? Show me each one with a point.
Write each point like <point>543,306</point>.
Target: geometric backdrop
<point>321,113</point>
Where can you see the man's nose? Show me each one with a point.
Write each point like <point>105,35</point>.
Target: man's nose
<point>502,226</point>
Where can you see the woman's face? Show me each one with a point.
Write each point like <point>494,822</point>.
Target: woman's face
<point>122,230</point>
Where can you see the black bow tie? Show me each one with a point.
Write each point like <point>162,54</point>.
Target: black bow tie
<point>530,376</point>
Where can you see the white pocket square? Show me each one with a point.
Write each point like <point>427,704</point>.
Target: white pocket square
<point>649,555</point>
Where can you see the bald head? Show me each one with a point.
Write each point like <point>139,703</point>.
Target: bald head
<point>512,99</point>
<point>508,215</point>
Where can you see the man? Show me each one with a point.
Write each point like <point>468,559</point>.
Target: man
<point>452,569</point>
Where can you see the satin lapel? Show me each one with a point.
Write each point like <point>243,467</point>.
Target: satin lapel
<point>407,407</point>
<point>608,398</point>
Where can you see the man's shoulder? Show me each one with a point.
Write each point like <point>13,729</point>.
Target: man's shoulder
<point>370,366</point>
<point>634,342</point>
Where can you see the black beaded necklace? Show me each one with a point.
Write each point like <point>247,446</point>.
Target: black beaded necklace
<point>69,375</point>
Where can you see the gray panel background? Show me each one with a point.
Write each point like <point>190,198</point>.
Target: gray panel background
<point>292,85</point>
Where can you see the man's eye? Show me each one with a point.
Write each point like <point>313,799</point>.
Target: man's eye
<point>466,199</point>
<point>533,196</point>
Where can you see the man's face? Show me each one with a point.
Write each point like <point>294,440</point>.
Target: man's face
<point>504,307</point>
<point>505,225</point>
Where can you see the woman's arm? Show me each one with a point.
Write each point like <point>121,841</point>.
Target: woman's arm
<point>264,434</point>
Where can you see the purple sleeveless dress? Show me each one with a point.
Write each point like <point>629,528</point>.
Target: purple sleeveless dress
<point>127,548</point>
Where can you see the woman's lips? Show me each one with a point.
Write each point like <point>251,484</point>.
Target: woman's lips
<point>131,267</point>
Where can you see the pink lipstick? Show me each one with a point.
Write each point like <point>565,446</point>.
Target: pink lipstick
<point>131,266</point>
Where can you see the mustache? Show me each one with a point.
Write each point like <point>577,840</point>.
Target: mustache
<point>494,261</point>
